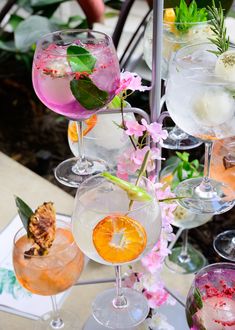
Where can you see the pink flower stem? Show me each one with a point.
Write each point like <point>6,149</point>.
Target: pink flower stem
<point>124,125</point>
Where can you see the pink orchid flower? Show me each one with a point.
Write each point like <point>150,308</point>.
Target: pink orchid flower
<point>155,131</point>
<point>131,81</point>
<point>134,128</point>
<point>156,298</point>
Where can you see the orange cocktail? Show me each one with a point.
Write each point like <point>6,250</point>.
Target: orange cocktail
<point>223,161</point>
<point>52,273</point>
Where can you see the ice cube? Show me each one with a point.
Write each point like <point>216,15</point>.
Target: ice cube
<point>213,107</point>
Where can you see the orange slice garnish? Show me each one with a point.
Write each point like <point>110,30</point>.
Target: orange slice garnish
<point>72,129</point>
<point>118,238</point>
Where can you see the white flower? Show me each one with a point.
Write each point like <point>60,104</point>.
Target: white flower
<point>159,322</point>
<point>150,281</point>
<point>138,286</point>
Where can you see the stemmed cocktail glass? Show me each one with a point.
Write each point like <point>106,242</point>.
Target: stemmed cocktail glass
<point>113,230</point>
<point>174,38</point>
<point>184,259</point>
<point>76,73</point>
<point>103,138</point>
<point>211,300</point>
<point>50,274</point>
<point>201,102</point>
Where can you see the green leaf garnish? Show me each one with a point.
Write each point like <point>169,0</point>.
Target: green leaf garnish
<point>198,298</point>
<point>24,211</point>
<point>186,15</point>
<point>80,59</point>
<point>183,168</point>
<point>88,94</point>
<point>218,28</point>
<point>134,192</point>
<point>115,103</point>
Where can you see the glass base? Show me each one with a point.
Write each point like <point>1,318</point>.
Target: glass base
<point>224,245</point>
<point>194,261</point>
<point>69,174</point>
<point>131,315</point>
<point>179,140</point>
<point>91,324</point>
<point>70,321</point>
<point>219,200</point>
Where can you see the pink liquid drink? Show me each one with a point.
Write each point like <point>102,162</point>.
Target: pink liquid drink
<point>53,72</point>
<point>211,300</point>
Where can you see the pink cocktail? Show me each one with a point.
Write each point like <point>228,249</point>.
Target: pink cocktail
<point>211,299</point>
<point>53,72</point>
<point>75,74</point>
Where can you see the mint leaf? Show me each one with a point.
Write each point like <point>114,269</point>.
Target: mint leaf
<point>198,298</point>
<point>24,212</point>
<point>186,15</point>
<point>88,94</point>
<point>80,59</point>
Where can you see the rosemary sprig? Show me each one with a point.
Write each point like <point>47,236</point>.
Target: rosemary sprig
<point>221,40</point>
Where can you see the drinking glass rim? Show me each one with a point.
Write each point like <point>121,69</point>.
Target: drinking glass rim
<point>180,23</point>
<point>218,265</point>
<point>154,199</point>
<point>47,255</point>
<point>66,32</point>
<point>176,59</point>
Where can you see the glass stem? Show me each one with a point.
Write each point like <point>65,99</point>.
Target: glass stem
<point>82,163</point>
<point>120,300</point>
<point>56,322</point>
<point>184,257</point>
<point>205,189</point>
<point>177,134</point>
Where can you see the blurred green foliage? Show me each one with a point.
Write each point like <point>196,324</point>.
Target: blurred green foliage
<point>23,22</point>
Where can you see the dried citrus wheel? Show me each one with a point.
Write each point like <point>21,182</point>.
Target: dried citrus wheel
<point>72,130</point>
<point>118,238</point>
<point>169,17</point>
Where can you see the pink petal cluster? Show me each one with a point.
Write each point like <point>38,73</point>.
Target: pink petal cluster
<point>131,160</point>
<point>134,128</point>
<point>155,131</point>
<point>158,297</point>
<point>131,81</point>
<point>153,261</point>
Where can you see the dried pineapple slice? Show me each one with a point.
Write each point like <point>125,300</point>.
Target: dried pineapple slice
<point>42,228</point>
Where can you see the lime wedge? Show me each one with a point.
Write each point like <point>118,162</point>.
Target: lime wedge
<point>134,193</point>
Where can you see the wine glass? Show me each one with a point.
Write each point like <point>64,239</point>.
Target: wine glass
<point>103,137</point>
<point>174,38</point>
<point>50,274</point>
<point>76,73</point>
<point>113,230</point>
<point>223,168</point>
<point>211,299</point>
<point>200,101</point>
<point>184,259</point>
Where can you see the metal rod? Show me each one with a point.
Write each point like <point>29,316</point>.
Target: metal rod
<point>140,112</point>
<point>155,95</point>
